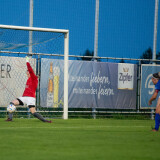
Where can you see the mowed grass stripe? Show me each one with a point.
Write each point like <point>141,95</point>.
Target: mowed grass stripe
<point>89,127</point>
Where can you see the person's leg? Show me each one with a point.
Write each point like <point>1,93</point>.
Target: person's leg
<point>37,115</point>
<point>15,103</point>
<point>157,116</point>
<point>10,115</point>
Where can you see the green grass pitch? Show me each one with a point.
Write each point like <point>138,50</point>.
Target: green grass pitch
<point>79,139</point>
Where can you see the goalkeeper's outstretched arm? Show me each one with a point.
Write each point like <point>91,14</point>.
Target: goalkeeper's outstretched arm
<point>30,69</point>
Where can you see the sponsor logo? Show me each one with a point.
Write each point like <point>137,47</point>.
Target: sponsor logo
<point>149,84</point>
<point>125,69</point>
<point>125,76</point>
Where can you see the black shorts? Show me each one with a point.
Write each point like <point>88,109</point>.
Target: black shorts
<point>20,102</point>
<point>31,106</point>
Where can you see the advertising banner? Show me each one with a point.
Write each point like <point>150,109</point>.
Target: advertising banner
<point>91,84</point>
<point>13,78</point>
<point>147,87</point>
<point>125,76</point>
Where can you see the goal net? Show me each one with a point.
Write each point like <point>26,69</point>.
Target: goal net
<point>48,49</point>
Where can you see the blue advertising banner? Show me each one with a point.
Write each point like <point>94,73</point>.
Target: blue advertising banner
<point>91,84</point>
<point>147,87</point>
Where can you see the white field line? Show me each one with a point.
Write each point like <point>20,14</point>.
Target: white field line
<point>76,127</point>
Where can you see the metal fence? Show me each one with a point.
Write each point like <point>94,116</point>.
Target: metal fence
<point>23,112</point>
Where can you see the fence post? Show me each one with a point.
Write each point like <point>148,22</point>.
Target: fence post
<point>94,113</point>
<point>38,87</point>
<point>139,84</point>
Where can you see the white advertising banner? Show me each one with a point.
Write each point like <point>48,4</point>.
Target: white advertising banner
<point>125,76</point>
<point>12,78</point>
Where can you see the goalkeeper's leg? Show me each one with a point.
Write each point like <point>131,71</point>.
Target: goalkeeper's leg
<point>37,115</point>
<point>15,103</point>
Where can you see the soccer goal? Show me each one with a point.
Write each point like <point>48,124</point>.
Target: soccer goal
<point>48,49</point>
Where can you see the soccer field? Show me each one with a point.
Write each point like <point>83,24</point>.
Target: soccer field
<point>78,139</point>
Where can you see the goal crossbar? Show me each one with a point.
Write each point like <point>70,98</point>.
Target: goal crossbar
<point>33,29</point>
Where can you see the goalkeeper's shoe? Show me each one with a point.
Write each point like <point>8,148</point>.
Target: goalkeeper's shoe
<point>48,121</point>
<point>8,119</point>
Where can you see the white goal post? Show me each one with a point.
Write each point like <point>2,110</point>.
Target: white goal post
<point>66,50</point>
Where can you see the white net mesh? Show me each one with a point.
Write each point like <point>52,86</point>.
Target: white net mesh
<point>42,42</point>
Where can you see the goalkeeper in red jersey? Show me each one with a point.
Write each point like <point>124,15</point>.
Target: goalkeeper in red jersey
<point>28,96</point>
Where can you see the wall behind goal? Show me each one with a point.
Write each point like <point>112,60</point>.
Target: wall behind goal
<point>91,84</point>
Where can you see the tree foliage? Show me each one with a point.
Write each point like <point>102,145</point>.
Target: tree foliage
<point>88,56</point>
<point>148,55</point>
<point>122,61</point>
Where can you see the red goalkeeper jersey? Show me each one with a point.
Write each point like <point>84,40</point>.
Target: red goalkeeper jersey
<point>31,84</point>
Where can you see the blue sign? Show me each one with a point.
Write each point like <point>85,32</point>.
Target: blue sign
<point>147,87</point>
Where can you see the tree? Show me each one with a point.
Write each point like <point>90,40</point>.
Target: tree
<point>146,55</point>
<point>90,55</point>
<point>122,61</point>
<point>158,56</point>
